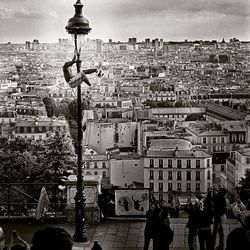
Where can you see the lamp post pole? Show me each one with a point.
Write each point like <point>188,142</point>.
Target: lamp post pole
<point>79,25</point>
<point>80,198</point>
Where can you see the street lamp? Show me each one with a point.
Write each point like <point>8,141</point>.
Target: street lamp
<point>78,26</point>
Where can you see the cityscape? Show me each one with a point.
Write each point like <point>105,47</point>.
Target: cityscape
<point>90,147</point>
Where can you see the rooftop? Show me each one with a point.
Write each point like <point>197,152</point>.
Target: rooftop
<point>178,154</point>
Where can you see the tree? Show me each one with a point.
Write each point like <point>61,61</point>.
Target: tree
<point>245,187</point>
<point>26,160</point>
<point>58,156</point>
<point>51,107</point>
<point>16,166</point>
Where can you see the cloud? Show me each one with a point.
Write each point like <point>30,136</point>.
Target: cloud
<point>52,13</point>
<point>149,7</point>
<point>25,14</point>
<point>5,13</point>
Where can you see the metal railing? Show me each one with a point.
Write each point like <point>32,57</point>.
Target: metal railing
<point>21,199</point>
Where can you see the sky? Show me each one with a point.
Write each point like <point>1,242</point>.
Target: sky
<point>172,20</point>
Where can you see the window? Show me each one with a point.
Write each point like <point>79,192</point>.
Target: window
<point>151,163</point>
<point>222,168</point>
<point>96,173</point>
<point>188,186</point>
<point>179,186</point>
<point>170,177</point>
<point>188,163</point>
<point>188,176</point>
<point>95,165</point>
<point>198,177</point>
<point>170,186</point>
<point>241,138</point>
<point>208,175</point>
<point>151,175</point>
<point>87,164</point>
<point>160,163</point>
<point>198,163</point>
<point>160,175</point>
<point>204,140</point>
<point>179,175</point>
<point>222,140</point>
<point>160,186</point>
<point>104,164</point>
<point>197,186</point>
<point>214,139</point>
<point>214,148</point>
<point>178,163</point>
<point>170,163</point>
<point>208,163</point>
<point>151,186</point>
<point>234,137</point>
<point>104,174</point>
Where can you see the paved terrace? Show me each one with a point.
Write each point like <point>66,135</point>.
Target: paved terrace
<point>114,233</point>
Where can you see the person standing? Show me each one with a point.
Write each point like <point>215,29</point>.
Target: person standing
<point>239,238</point>
<point>204,223</point>
<point>219,217</point>
<point>152,223</point>
<point>165,235</point>
<point>192,225</point>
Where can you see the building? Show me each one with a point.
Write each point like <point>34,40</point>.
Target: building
<point>210,136</point>
<point>236,166</point>
<point>98,45</point>
<point>216,112</point>
<point>185,171</point>
<point>7,116</point>
<point>177,114</point>
<point>38,128</point>
<point>97,165</point>
<point>27,45</point>
<point>106,133</point>
<point>126,169</point>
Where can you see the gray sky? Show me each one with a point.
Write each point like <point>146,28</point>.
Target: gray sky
<point>22,20</point>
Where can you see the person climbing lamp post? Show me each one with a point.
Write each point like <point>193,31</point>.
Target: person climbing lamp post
<point>78,27</point>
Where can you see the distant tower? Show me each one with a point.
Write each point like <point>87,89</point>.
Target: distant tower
<point>27,45</point>
<point>147,42</point>
<point>132,41</point>
<point>35,44</point>
<point>161,43</point>
<point>110,41</point>
<point>156,43</point>
<point>98,45</point>
<point>153,43</point>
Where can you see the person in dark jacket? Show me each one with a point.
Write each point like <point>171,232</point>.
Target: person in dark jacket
<point>192,225</point>
<point>164,234</point>
<point>219,217</point>
<point>204,223</point>
<point>52,238</point>
<point>152,223</point>
<point>239,238</point>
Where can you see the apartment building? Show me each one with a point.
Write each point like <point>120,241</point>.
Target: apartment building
<point>185,171</point>
<point>37,128</point>
<point>97,165</point>
<point>210,136</point>
<point>236,166</point>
